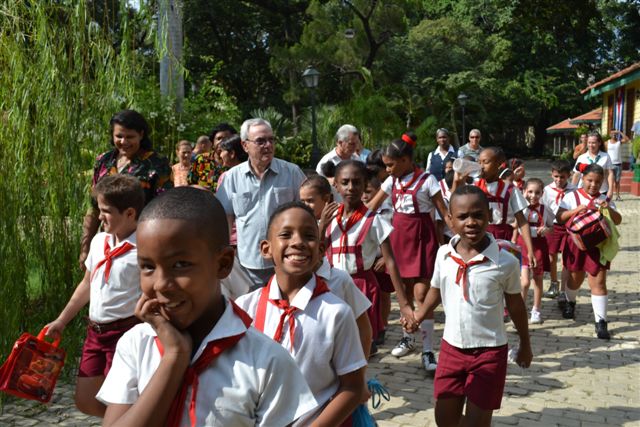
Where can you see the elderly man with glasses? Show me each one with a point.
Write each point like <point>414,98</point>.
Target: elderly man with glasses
<point>251,192</point>
<point>472,148</point>
<point>347,143</point>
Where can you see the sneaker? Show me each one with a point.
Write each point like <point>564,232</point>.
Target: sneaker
<point>562,301</point>
<point>553,290</point>
<point>618,199</point>
<point>404,347</point>
<point>569,311</point>
<point>536,317</point>
<point>429,362</point>
<point>380,339</point>
<point>601,330</point>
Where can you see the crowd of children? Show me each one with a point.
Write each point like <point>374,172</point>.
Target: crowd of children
<point>353,238</point>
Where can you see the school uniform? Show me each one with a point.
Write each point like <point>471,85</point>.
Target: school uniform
<point>341,284</point>
<point>537,216</point>
<point>383,278</point>
<point>504,202</point>
<point>321,334</point>
<point>414,241</point>
<point>473,353</point>
<point>253,382</point>
<point>551,198</point>
<point>601,159</point>
<point>574,259</point>
<point>446,197</point>
<point>114,293</point>
<point>355,250</point>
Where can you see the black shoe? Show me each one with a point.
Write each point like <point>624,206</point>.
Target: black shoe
<point>553,291</point>
<point>602,331</point>
<point>381,336</point>
<point>374,349</point>
<point>569,311</point>
<point>562,301</point>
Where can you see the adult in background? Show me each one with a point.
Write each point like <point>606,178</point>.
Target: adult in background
<point>207,167</point>
<point>347,141</point>
<point>203,145</point>
<point>439,157</point>
<point>131,154</point>
<point>471,148</point>
<point>252,190</point>
<point>616,149</point>
<point>182,168</point>
<point>581,148</point>
<point>594,154</point>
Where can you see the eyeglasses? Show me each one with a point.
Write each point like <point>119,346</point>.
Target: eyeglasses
<point>474,137</point>
<point>263,141</point>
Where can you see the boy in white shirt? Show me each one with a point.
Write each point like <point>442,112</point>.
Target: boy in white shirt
<point>111,286</point>
<point>298,310</point>
<point>472,277</point>
<point>196,360</point>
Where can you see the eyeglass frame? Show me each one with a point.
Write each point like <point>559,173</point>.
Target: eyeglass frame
<point>260,142</point>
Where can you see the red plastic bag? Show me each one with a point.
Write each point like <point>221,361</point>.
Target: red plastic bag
<point>33,367</point>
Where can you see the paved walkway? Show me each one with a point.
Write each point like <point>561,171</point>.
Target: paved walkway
<point>575,379</point>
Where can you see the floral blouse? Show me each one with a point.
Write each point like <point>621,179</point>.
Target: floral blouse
<point>205,172</point>
<point>152,170</point>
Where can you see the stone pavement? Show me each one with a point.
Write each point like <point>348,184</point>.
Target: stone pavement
<point>575,379</point>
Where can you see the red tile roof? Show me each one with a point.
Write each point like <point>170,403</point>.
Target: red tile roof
<point>563,126</point>
<point>593,116</point>
<point>614,76</point>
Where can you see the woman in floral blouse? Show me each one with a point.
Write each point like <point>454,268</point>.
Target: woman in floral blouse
<point>131,154</point>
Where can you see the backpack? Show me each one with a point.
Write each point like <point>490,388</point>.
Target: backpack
<point>588,228</point>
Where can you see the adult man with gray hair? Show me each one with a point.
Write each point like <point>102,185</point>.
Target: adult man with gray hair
<point>251,191</point>
<point>347,140</point>
<point>471,148</point>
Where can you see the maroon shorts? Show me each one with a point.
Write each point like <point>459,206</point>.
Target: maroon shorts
<point>98,349</point>
<point>501,231</point>
<point>479,374</point>
<point>555,239</point>
<point>574,259</point>
<point>540,252</point>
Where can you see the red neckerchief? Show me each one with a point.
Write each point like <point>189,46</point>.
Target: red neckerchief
<point>519,184</point>
<point>536,209</point>
<point>213,349</point>
<point>288,310</point>
<point>482,184</point>
<point>109,255</point>
<point>416,174</point>
<point>356,216</point>
<point>461,275</point>
<point>560,195</point>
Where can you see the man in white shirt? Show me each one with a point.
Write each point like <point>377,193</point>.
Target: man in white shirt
<point>347,141</point>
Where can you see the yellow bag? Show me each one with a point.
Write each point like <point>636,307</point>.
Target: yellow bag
<point>610,247</point>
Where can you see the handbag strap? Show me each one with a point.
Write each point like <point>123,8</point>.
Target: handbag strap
<point>56,342</point>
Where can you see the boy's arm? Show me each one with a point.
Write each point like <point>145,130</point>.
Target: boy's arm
<point>525,232</point>
<point>152,407</point>
<point>78,300</point>
<point>432,300</point>
<point>518,313</point>
<point>349,395</point>
<point>365,332</point>
<point>396,280</point>
<point>611,180</point>
<point>438,202</point>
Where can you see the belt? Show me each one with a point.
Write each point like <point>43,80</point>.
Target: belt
<point>101,328</point>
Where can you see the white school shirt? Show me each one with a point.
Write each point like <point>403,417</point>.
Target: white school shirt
<point>477,322</point>
<point>601,159</point>
<point>341,284</point>
<point>253,383</point>
<point>532,217</point>
<point>551,197</point>
<point>332,156</point>
<point>517,202</point>
<point>569,201</point>
<point>326,339</point>
<point>404,202</point>
<point>116,299</point>
<point>446,196</point>
<point>378,232</point>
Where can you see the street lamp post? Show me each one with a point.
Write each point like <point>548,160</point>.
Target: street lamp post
<point>310,78</point>
<point>462,100</point>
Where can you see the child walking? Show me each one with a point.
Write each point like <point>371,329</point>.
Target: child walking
<point>196,361</point>
<point>540,220</point>
<point>579,262</point>
<point>553,194</point>
<point>472,278</point>
<point>111,286</point>
<point>298,310</point>
<point>414,194</point>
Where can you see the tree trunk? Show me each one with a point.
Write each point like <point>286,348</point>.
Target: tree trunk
<point>170,48</point>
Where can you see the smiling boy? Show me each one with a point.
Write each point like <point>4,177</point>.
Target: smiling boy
<point>195,361</point>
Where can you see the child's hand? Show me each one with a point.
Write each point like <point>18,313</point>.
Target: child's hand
<point>603,204</point>
<point>54,329</point>
<point>525,356</point>
<point>542,231</point>
<point>580,208</point>
<point>173,340</point>
<point>407,318</point>
<point>379,266</point>
<point>406,327</point>
<point>532,260</point>
<point>328,213</point>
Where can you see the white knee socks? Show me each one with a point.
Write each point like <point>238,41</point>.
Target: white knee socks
<point>571,294</point>
<point>599,304</point>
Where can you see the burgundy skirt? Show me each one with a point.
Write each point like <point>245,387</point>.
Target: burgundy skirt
<point>501,231</point>
<point>555,239</point>
<point>574,259</point>
<point>541,253</point>
<point>414,244</point>
<point>367,283</point>
<point>384,280</point>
